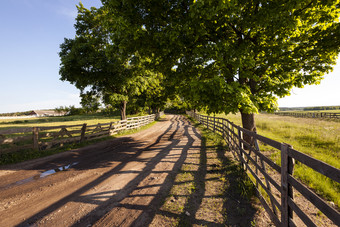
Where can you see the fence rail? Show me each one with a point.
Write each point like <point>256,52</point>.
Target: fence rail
<point>310,114</point>
<point>274,183</point>
<point>42,138</point>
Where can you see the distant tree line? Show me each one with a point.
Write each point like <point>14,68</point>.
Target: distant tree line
<point>25,113</point>
<point>310,108</point>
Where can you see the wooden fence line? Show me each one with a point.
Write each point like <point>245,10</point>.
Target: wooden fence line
<point>42,138</point>
<point>310,114</point>
<point>260,167</point>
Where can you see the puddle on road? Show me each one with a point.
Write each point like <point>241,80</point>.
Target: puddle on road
<point>41,175</point>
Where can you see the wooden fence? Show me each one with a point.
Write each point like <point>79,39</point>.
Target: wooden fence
<point>275,185</point>
<point>42,138</point>
<point>310,114</point>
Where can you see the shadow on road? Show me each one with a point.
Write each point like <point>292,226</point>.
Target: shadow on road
<point>152,171</point>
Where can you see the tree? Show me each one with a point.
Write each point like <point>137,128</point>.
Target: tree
<point>90,102</point>
<point>235,55</point>
<point>95,63</point>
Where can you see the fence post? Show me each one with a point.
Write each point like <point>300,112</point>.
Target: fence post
<point>83,130</point>
<point>228,133</point>
<point>287,167</point>
<point>110,128</point>
<point>214,124</point>
<point>241,154</point>
<point>223,130</point>
<point>35,133</point>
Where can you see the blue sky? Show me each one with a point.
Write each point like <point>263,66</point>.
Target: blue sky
<point>31,32</point>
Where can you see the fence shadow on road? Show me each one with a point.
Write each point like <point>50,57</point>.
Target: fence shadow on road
<point>140,200</point>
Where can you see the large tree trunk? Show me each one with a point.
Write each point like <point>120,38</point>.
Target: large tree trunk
<point>154,110</point>
<point>248,122</point>
<point>123,110</point>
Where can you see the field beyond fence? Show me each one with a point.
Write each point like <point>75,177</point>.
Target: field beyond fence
<point>43,138</point>
<point>310,114</point>
<point>287,201</point>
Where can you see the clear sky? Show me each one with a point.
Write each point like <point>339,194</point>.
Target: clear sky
<point>31,32</point>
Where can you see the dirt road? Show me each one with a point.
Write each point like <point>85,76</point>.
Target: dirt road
<point>119,182</point>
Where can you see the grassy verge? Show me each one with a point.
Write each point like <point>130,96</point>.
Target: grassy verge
<point>210,189</point>
<point>317,138</point>
<point>24,155</point>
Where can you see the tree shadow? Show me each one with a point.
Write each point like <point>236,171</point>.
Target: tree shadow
<point>172,148</point>
<point>238,193</point>
<point>109,154</point>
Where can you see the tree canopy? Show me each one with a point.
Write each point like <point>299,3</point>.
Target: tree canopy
<point>237,55</point>
<point>97,64</point>
<point>220,55</point>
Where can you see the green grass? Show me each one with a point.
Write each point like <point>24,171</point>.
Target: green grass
<point>317,138</point>
<point>56,121</point>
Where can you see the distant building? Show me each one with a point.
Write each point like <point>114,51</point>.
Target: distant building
<point>46,113</point>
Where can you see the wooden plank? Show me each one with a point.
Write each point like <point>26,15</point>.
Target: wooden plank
<point>48,145</point>
<point>60,126</point>
<point>63,132</point>
<point>301,214</point>
<point>326,209</point>
<point>317,165</point>
<point>119,126</point>
<point>277,204</point>
<point>54,134</point>
<point>98,125</point>
<point>96,134</point>
<point>267,178</point>
<point>291,223</point>
<point>284,185</point>
<point>264,203</point>
<point>266,140</point>
<point>240,146</point>
<point>291,163</point>
<point>263,171</point>
<point>267,160</point>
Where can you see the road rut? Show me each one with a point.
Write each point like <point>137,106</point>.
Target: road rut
<point>118,182</point>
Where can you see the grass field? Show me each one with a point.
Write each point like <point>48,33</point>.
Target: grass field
<point>315,137</point>
<point>56,121</point>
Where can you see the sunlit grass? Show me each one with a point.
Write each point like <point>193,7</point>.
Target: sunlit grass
<point>317,138</point>
<point>56,121</point>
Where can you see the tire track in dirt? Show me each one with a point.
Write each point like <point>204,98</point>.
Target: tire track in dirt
<point>108,180</point>
<point>127,181</point>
